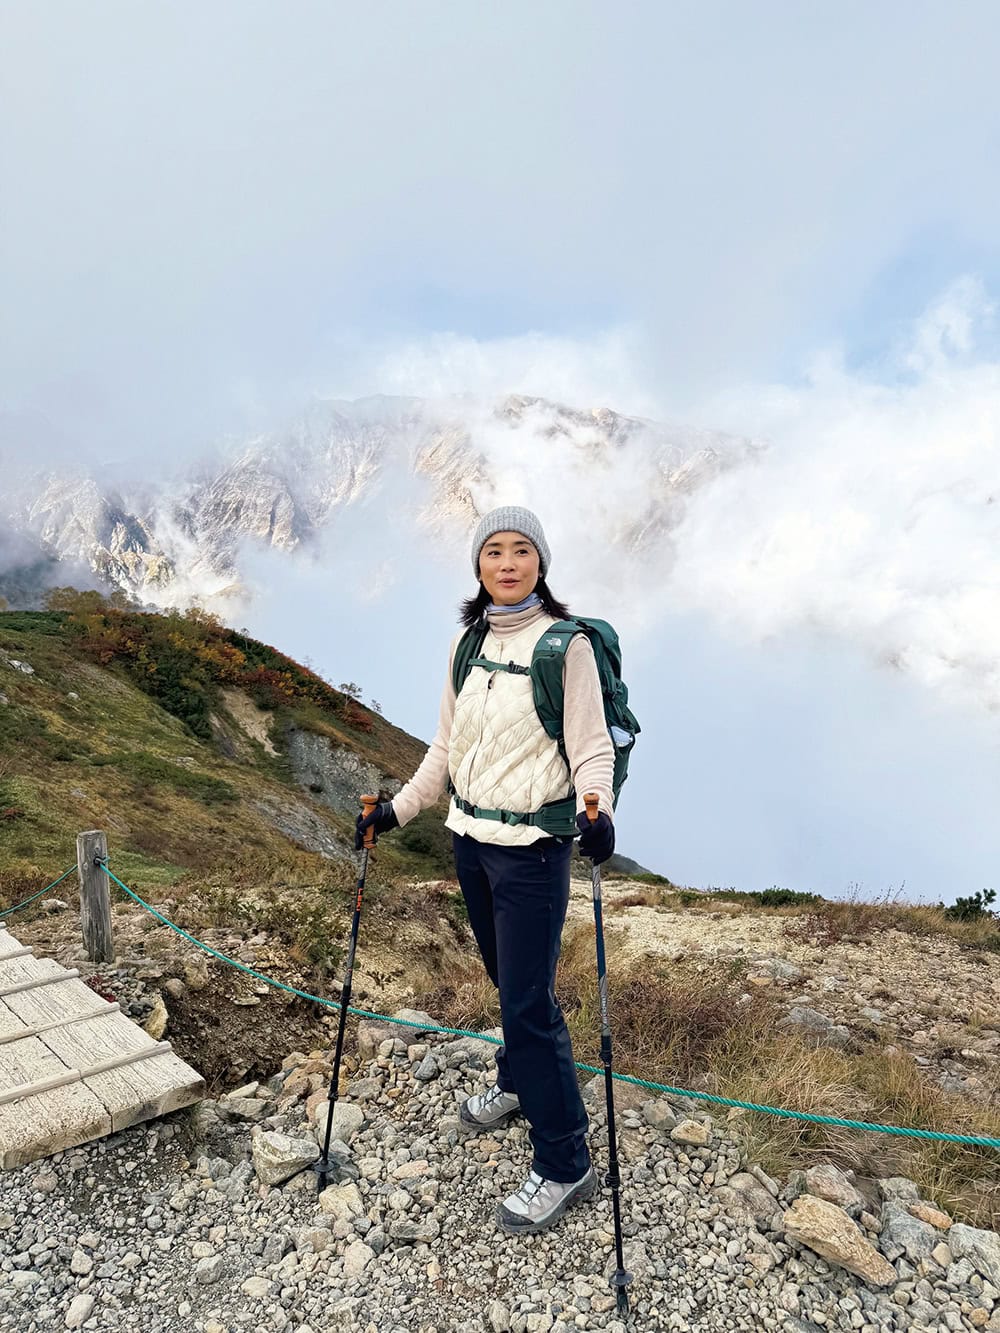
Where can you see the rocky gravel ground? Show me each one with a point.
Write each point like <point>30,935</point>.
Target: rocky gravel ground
<point>195,1222</point>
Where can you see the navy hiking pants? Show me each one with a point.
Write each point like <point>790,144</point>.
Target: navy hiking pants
<point>517,899</point>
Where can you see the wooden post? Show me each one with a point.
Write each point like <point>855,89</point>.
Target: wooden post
<point>95,897</point>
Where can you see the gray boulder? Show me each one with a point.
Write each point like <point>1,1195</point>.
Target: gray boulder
<point>980,1248</point>
<point>814,1026</point>
<point>902,1233</point>
<point>778,968</point>
<point>897,1189</point>
<point>825,1181</point>
<point>422,1021</point>
<point>468,1052</point>
<point>347,1120</point>
<point>276,1157</point>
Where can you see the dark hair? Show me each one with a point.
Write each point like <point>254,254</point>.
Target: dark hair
<point>473,609</point>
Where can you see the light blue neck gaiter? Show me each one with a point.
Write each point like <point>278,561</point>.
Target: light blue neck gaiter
<point>532,599</point>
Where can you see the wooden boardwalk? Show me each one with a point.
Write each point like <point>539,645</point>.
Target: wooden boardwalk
<point>73,1067</point>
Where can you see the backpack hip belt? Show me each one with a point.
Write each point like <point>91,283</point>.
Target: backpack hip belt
<point>556,818</point>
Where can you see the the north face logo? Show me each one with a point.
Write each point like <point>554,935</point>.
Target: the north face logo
<point>554,641</point>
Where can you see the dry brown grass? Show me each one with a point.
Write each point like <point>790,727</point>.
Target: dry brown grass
<point>788,1074</point>
<point>651,897</point>
<point>855,919</point>
<point>879,1087</point>
<point>667,1023</point>
<point>14,888</point>
<point>691,1030</point>
<point>467,1000</point>
<point>981,933</point>
<point>666,1026</point>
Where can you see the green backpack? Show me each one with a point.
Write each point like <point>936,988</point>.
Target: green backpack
<point>557,818</point>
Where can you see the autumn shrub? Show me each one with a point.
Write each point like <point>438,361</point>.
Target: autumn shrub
<point>101,986</point>
<point>653,896</point>
<point>183,658</point>
<point>357,716</point>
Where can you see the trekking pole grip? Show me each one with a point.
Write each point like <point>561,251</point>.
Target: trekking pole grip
<point>591,801</point>
<point>368,804</point>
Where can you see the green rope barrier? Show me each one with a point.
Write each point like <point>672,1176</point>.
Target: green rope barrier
<point>977,1140</point>
<point>970,1140</point>
<point>17,906</point>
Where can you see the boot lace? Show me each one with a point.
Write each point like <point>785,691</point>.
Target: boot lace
<point>490,1096</point>
<point>530,1188</point>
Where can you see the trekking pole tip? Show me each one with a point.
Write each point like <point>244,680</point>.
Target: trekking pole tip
<point>619,1284</point>
<point>591,800</point>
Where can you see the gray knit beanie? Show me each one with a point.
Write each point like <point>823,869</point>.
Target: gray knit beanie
<point>511,518</point>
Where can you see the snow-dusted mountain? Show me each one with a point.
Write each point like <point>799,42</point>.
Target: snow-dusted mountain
<point>171,538</point>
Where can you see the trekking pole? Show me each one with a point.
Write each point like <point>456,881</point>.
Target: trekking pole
<point>322,1167</point>
<point>621,1279</point>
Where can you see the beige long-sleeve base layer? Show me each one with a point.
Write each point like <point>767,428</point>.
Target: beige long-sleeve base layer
<point>588,746</point>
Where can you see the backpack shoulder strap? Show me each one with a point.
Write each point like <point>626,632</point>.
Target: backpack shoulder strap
<point>467,648</point>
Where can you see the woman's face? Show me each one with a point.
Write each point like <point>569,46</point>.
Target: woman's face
<point>508,565</point>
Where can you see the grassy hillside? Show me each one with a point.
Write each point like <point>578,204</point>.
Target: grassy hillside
<point>122,725</point>
<point>129,722</point>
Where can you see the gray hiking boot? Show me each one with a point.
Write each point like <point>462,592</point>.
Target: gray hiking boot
<point>490,1109</point>
<point>539,1203</point>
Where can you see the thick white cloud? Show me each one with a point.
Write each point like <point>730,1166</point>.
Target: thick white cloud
<point>873,517</point>
<point>600,370</point>
<point>865,512</point>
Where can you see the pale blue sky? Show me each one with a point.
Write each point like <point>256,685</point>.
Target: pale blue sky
<point>215,208</point>
<point>213,211</point>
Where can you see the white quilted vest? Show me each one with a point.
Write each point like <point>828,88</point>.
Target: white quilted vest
<point>500,757</point>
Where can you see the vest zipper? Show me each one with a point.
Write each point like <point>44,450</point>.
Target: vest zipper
<point>489,683</point>
<point>482,720</point>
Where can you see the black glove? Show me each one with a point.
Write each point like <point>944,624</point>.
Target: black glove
<point>383,818</point>
<point>597,839</point>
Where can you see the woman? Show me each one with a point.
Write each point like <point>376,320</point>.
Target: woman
<point>494,755</point>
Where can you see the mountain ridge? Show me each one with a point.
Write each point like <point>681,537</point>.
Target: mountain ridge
<point>176,538</point>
